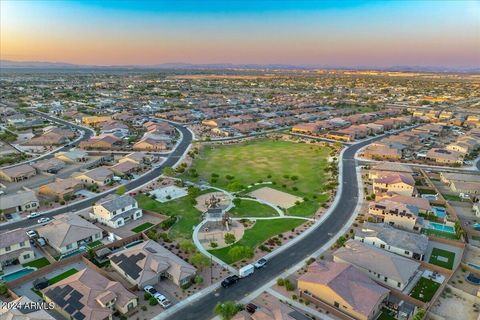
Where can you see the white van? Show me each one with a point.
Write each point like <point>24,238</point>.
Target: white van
<point>246,271</point>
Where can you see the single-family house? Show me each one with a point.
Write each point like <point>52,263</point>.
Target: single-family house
<point>115,211</point>
<point>343,287</point>
<point>382,266</point>
<point>149,144</point>
<point>383,236</point>
<point>61,189</point>
<point>395,182</point>
<point>49,165</point>
<point>100,176</point>
<point>66,233</point>
<point>15,248</point>
<point>404,216</point>
<point>19,202</point>
<point>17,173</point>
<point>148,262</point>
<point>72,156</point>
<point>88,295</point>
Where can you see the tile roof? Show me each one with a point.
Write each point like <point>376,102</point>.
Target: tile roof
<point>67,229</point>
<point>361,292</point>
<point>385,263</point>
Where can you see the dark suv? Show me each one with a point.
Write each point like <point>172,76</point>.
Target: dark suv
<point>230,281</point>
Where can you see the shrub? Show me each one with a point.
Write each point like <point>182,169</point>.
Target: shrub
<point>294,296</point>
<point>229,238</point>
<point>280,282</point>
<point>147,296</point>
<point>289,286</point>
<point>213,244</point>
<point>152,301</point>
<point>144,308</point>
<point>198,279</point>
<point>167,224</point>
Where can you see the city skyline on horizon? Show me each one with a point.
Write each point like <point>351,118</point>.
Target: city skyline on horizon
<point>330,34</point>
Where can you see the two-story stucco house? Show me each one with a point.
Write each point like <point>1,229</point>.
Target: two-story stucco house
<point>15,248</point>
<point>115,211</point>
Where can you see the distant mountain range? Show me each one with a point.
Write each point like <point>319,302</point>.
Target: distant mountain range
<point>9,64</point>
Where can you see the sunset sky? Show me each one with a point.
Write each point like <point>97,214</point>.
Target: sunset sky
<point>346,33</point>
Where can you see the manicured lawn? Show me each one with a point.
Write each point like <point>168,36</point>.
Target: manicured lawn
<point>251,208</point>
<point>240,165</point>
<point>436,252</point>
<point>255,160</point>
<point>142,227</point>
<point>426,287</point>
<point>39,263</point>
<point>307,208</point>
<point>62,276</point>
<point>94,244</point>
<point>451,197</point>
<point>261,231</point>
<point>188,216</point>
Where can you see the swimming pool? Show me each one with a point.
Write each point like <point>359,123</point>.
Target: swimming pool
<point>17,274</point>
<point>440,212</point>
<point>73,253</point>
<point>441,227</point>
<point>476,226</point>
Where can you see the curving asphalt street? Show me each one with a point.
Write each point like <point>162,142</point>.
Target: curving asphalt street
<point>203,308</point>
<point>171,160</point>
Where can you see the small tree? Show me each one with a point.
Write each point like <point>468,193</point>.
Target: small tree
<point>227,310</point>
<point>168,171</point>
<point>198,279</point>
<point>187,246</point>
<point>229,238</point>
<point>121,190</point>
<point>200,261</point>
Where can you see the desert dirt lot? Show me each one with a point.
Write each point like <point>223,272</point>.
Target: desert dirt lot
<point>276,197</point>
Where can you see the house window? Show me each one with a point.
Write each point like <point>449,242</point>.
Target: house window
<point>69,246</point>
<point>7,248</point>
<point>22,244</point>
<point>385,279</point>
<point>27,206</point>
<point>399,284</point>
<point>382,246</point>
<point>336,304</point>
<point>407,252</point>
<point>26,256</point>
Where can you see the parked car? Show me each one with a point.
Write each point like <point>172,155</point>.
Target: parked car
<point>8,216</point>
<point>150,290</point>
<point>260,263</point>
<point>43,220</point>
<point>229,281</point>
<point>41,242</point>
<point>31,233</point>
<point>34,215</point>
<point>246,270</point>
<point>162,300</point>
